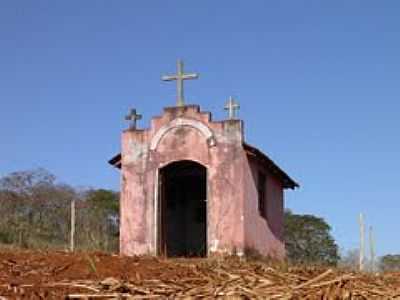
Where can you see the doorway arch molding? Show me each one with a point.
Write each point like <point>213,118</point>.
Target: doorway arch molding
<point>180,122</point>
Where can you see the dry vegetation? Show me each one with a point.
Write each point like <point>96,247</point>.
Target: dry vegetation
<point>61,275</point>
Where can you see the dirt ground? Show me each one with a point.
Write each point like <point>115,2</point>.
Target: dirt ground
<point>62,275</point>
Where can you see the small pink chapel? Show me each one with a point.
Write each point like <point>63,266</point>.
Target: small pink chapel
<point>192,186</point>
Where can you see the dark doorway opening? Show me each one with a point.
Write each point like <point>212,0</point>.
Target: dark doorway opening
<point>183,209</point>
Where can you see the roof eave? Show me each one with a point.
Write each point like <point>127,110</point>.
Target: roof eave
<point>116,161</point>
<point>287,181</point>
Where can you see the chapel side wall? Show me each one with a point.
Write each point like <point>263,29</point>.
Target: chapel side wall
<point>275,206</point>
<point>261,235</point>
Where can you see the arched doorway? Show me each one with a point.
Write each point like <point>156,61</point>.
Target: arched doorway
<point>182,211</point>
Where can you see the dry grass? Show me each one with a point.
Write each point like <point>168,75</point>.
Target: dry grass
<point>58,275</point>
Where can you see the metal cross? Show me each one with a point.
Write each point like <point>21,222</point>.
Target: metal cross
<point>132,116</point>
<point>180,77</point>
<point>232,106</point>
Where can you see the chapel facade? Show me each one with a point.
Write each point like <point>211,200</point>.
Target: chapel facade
<point>192,186</point>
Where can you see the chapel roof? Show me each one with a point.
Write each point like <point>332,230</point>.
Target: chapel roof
<point>287,181</point>
<point>251,151</point>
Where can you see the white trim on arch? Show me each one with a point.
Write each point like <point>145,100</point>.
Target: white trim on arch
<point>179,122</point>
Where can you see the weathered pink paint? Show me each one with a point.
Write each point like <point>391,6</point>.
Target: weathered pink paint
<point>233,221</point>
<point>264,235</point>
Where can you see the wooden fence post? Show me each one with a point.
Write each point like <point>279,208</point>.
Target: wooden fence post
<point>371,249</point>
<point>362,245</point>
<point>72,237</point>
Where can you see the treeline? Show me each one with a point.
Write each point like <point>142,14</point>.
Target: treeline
<point>35,213</point>
<point>308,240</point>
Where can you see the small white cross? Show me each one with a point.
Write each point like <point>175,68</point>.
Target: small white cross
<point>180,77</point>
<point>232,106</point>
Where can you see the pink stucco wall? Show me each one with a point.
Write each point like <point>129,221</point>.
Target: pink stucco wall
<point>185,133</point>
<point>265,235</point>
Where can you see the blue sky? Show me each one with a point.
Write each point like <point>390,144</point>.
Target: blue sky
<point>318,83</point>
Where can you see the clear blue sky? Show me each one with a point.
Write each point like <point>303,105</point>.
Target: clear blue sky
<point>318,83</point>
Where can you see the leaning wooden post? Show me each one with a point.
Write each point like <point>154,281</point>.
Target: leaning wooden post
<point>72,237</point>
<point>362,245</point>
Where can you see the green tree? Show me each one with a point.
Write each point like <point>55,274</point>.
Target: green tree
<point>105,201</point>
<point>390,263</point>
<point>98,220</point>
<point>308,240</point>
<point>35,213</point>
<point>33,207</point>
